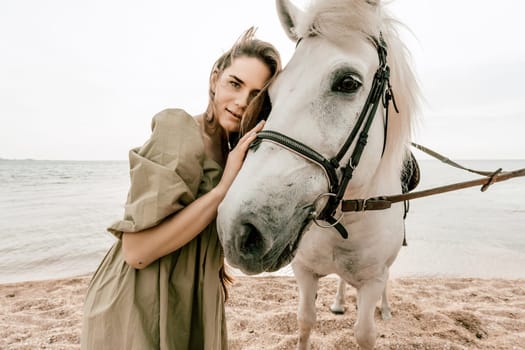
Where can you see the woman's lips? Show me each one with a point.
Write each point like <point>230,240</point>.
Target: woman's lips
<point>235,115</point>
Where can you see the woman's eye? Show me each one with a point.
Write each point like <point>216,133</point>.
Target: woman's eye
<point>346,84</point>
<point>234,84</point>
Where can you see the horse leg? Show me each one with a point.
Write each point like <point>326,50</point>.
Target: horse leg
<point>339,300</point>
<point>306,315</point>
<point>367,297</point>
<point>337,307</point>
<point>386,313</point>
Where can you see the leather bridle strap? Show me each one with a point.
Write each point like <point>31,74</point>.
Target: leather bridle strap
<point>300,149</point>
<point>378,88</point>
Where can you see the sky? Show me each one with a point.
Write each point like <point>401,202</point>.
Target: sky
<point>81,80</point>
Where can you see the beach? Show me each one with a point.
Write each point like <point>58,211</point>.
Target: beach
<point>459,284</point>
<point>427,313</point>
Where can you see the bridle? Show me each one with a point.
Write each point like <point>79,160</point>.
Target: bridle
<point>380,92</point>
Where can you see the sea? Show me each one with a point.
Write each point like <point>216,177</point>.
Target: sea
<point>54,215</point>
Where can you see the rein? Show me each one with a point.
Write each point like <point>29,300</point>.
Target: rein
<point>385,202</point>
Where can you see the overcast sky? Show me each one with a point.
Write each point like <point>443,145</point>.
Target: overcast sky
<point>82,79</point>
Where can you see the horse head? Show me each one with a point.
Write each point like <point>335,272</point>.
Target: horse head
<point>317,102</point>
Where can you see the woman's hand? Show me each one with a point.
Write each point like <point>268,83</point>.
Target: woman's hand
<point>236,158</point>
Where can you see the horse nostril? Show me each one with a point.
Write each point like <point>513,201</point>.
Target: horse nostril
<point>252,241</point>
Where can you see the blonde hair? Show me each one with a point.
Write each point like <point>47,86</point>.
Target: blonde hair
<point>247,45</point>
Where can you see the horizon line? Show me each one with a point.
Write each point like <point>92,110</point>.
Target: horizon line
<point>121,160</point>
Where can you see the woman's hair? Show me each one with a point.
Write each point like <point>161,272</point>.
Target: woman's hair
<point>258,108</point>
<point>248,46</point>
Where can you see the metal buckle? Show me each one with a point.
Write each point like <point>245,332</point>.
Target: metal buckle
<point>315,216</point>
<point>361,204</point>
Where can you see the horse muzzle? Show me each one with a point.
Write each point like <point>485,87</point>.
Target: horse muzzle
<point>259,241</point>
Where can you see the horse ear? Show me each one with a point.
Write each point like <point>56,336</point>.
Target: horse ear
<point>288,12</point>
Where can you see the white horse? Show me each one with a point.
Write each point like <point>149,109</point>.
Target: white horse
<point>265,220</point>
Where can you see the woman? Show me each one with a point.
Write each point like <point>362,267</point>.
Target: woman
<point>162,284</point>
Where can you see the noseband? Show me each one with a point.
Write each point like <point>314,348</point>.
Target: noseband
<point>381,91</point>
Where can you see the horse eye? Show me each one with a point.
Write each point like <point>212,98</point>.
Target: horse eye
<point>346,84</point>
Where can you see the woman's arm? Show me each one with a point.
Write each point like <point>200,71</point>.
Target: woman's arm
<point>144,247</point>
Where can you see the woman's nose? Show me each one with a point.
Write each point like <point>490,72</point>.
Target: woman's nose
<point>242,99</point>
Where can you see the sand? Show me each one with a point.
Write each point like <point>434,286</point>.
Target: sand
<point>428,313</point>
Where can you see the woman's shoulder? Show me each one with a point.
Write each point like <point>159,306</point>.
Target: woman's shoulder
<point>173,117</point>
<point>175,138</point>
<point>174,127</point>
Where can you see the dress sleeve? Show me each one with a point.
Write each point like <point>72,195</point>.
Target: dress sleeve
<point>165,173</point>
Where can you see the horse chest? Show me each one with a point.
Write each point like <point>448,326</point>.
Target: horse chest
<point>320,253</point>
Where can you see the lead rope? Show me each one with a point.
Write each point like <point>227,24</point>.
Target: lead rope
<point>385,202</point>
<point>448,161</point>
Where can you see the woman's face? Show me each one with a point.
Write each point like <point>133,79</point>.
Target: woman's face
<point>235,87</point>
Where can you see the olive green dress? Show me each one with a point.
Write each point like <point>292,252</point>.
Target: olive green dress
<point>177,302</point>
